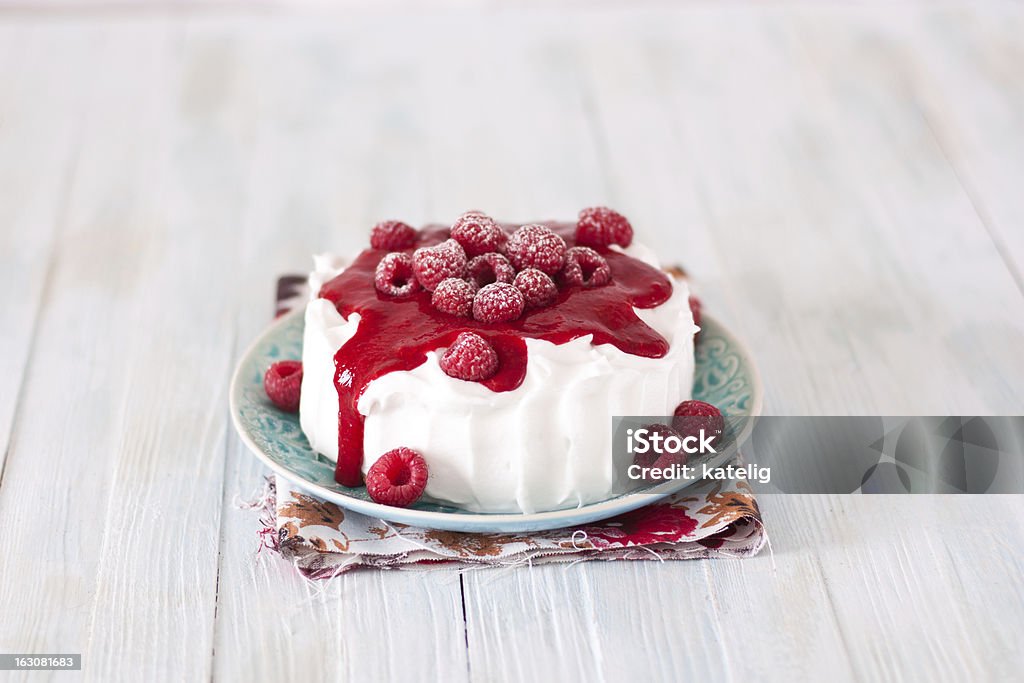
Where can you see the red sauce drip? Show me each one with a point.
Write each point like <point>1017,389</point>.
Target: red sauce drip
<point>396,334</point>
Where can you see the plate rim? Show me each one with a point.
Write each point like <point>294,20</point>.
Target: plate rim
<point>481,522</point>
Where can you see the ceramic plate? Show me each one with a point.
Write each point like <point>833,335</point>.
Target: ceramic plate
<point>725,376</point>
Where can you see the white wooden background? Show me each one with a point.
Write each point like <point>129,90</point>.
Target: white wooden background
<point>845,183</point>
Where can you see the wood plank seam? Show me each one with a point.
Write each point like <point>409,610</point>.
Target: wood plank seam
<point>465,627</point>
<point>836,620</point>
<point>977,204</point>
<point>67,182</point>
<point>716,613</point>
<point>229,434</point>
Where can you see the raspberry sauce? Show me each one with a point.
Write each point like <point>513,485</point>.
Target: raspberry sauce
<point>396,333</point>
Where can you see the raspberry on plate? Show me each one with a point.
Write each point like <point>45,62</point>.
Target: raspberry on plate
<point>478,233</point>
<point>392,236</point>
<point>283,382</point>
<point>600,226</point>
<point>454,296</point>
<point>394,275</point>
<point>433,264</point>
<point>536,246</point>
<point>537,287</point>
<point>488,268</point>
<point>692,416</point>
<point>585,267</point>
<point>398,478</point>
<point>470,357</point>
<point>498,302</point>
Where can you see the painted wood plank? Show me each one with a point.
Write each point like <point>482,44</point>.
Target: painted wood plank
<point>908,600</point>
<point>113,478</point>
<point>39,153</point>
<point>972,92</point>
<point>896,281</point>
<point>333,151</point>
<point>170,466</point>
<point>787,175</point>
<point>949,314</point>
<point>60,443</point>
<point>895,588</point>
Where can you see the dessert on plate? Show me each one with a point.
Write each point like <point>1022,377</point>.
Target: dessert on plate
<point>479,365</point>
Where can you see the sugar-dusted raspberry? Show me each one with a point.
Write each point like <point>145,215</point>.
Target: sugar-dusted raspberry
<point>433,264</point>
<point>392,236</point>
<point>488,268</point>
<point>454,296</point>
<point>477,233</point>
<point>663,459</point>
<point>397,478</point>
<point>692,416</point>
<point>585,267</point>
<point>470,357</point>
<point>536,246</point>
<point>600,226</point>
<point>395,276</point>
<point>498,302</point>
<point>282,382</point>
<point>537,287</point>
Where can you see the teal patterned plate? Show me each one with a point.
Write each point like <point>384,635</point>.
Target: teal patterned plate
<point>726,376</point>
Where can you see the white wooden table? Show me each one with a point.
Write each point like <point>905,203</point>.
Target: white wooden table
<point>845,184</point>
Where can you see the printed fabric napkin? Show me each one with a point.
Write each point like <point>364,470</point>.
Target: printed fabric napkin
<point>707,520</point>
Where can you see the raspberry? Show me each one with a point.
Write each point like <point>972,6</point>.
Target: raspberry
<point>695,307</point>
<point>600,226</point>
<point>397,478</point>
<point>470,357</point>
<point>535,246</point>
<point>282,382</point>
<point>654,459</point>
<point>477,233</point>
<point>498,302</point>
<point>537,287</point>
<point>692,416</point>
<point>395,276</point>
<point>454,296</point>
<point>433,264</point>
<point>584,266</point>
<point>392,236</point>
<point>488,268</point>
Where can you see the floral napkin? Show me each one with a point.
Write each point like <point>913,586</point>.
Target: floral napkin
<point>709,519</point>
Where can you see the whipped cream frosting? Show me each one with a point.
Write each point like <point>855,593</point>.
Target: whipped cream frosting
<point>545,445</point>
